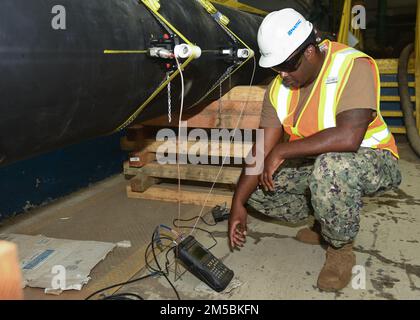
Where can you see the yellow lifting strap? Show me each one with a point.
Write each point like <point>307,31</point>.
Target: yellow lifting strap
<point>154,6</point>
<point>211,9</point>
<point>206,4</point>
<point>240,6</point>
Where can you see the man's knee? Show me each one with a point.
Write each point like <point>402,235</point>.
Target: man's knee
<point>280,206</point>
<point>334,171</point>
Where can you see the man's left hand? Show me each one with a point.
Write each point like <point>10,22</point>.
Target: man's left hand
<point>272,162</point>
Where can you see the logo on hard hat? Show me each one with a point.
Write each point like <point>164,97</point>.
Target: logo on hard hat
<point>295,27</point>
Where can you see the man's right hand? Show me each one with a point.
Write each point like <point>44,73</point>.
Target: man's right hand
<point>237,226</point>
<point>245,187</point>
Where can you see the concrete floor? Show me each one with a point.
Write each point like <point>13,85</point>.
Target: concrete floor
<point>271,266</point>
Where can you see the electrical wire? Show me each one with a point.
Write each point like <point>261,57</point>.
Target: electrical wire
<point>124,296</point>
<point>227,155</point>
<point>167,263</point>
<point>196,217</point>
<point>146,254</point>
<point>160,268</point>
<point>122,284</point>
<point>178,148</point>
<point>200,229</point>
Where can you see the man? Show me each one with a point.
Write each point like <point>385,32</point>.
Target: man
<point>326,98</point>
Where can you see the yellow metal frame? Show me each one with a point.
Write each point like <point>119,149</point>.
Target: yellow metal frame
<point>240,6</point>
<point>343,33</point>
<point>346,25</point>
<point>418,67</point>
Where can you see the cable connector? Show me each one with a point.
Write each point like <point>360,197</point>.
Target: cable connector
<point>237,54</point>
<point>185,51</point>
<point>162,53</point>
<point>220,213</point>
<point>245,53</point>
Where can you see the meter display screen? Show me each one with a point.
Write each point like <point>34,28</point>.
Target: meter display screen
<point>198,252</point>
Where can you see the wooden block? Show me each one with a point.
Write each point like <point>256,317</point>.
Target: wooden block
<point>248,114</point>
<point>136,138</point>
<point>142,182</point>
<point>234,107</point>
<point>213,149</point>
<point>10,273</point>
<point>130,172</point>
<point>189,195</point>
<point>203,173</point>
<point>246,93</point>
<point>140,159</point>
<point>127,145</point>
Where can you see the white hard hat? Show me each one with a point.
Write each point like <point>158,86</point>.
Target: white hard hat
<point>280,34</point>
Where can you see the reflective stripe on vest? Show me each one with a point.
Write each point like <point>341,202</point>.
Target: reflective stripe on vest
<point>330,90</point>
<point>379,135</point>
<point>377,138</point>
<point>283,100</point>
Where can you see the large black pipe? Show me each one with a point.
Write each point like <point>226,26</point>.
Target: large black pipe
<point>57,87</point>
<point>406,104</point>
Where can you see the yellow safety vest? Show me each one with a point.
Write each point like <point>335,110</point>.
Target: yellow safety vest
<point>319,112</point>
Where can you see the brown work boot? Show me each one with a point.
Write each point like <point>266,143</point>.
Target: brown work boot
<point>337,271</point>
<point>310,235</point>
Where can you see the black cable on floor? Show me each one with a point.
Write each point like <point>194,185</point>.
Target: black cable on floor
<point>146,255</point>
<point>122,284</point>
<point>124,296</point>
<point>167,259</point>
<point>160,269</point>
<point>155,273</point>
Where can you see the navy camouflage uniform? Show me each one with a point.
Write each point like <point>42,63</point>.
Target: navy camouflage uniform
<point>331,187</point>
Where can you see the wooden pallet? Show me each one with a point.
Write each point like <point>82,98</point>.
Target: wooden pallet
<point>152,181</point>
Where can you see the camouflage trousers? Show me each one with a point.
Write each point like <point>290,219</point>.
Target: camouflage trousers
<point>331,187</point>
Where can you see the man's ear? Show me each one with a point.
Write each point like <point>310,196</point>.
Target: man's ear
<point>310,53</point>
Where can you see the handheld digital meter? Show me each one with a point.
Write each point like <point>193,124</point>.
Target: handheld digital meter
<point>203,264</point>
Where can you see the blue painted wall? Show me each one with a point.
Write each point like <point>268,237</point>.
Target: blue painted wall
<point>30,183</point>
<point>394,106</point>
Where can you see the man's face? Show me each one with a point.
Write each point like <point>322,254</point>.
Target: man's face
<point>294,71</point>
